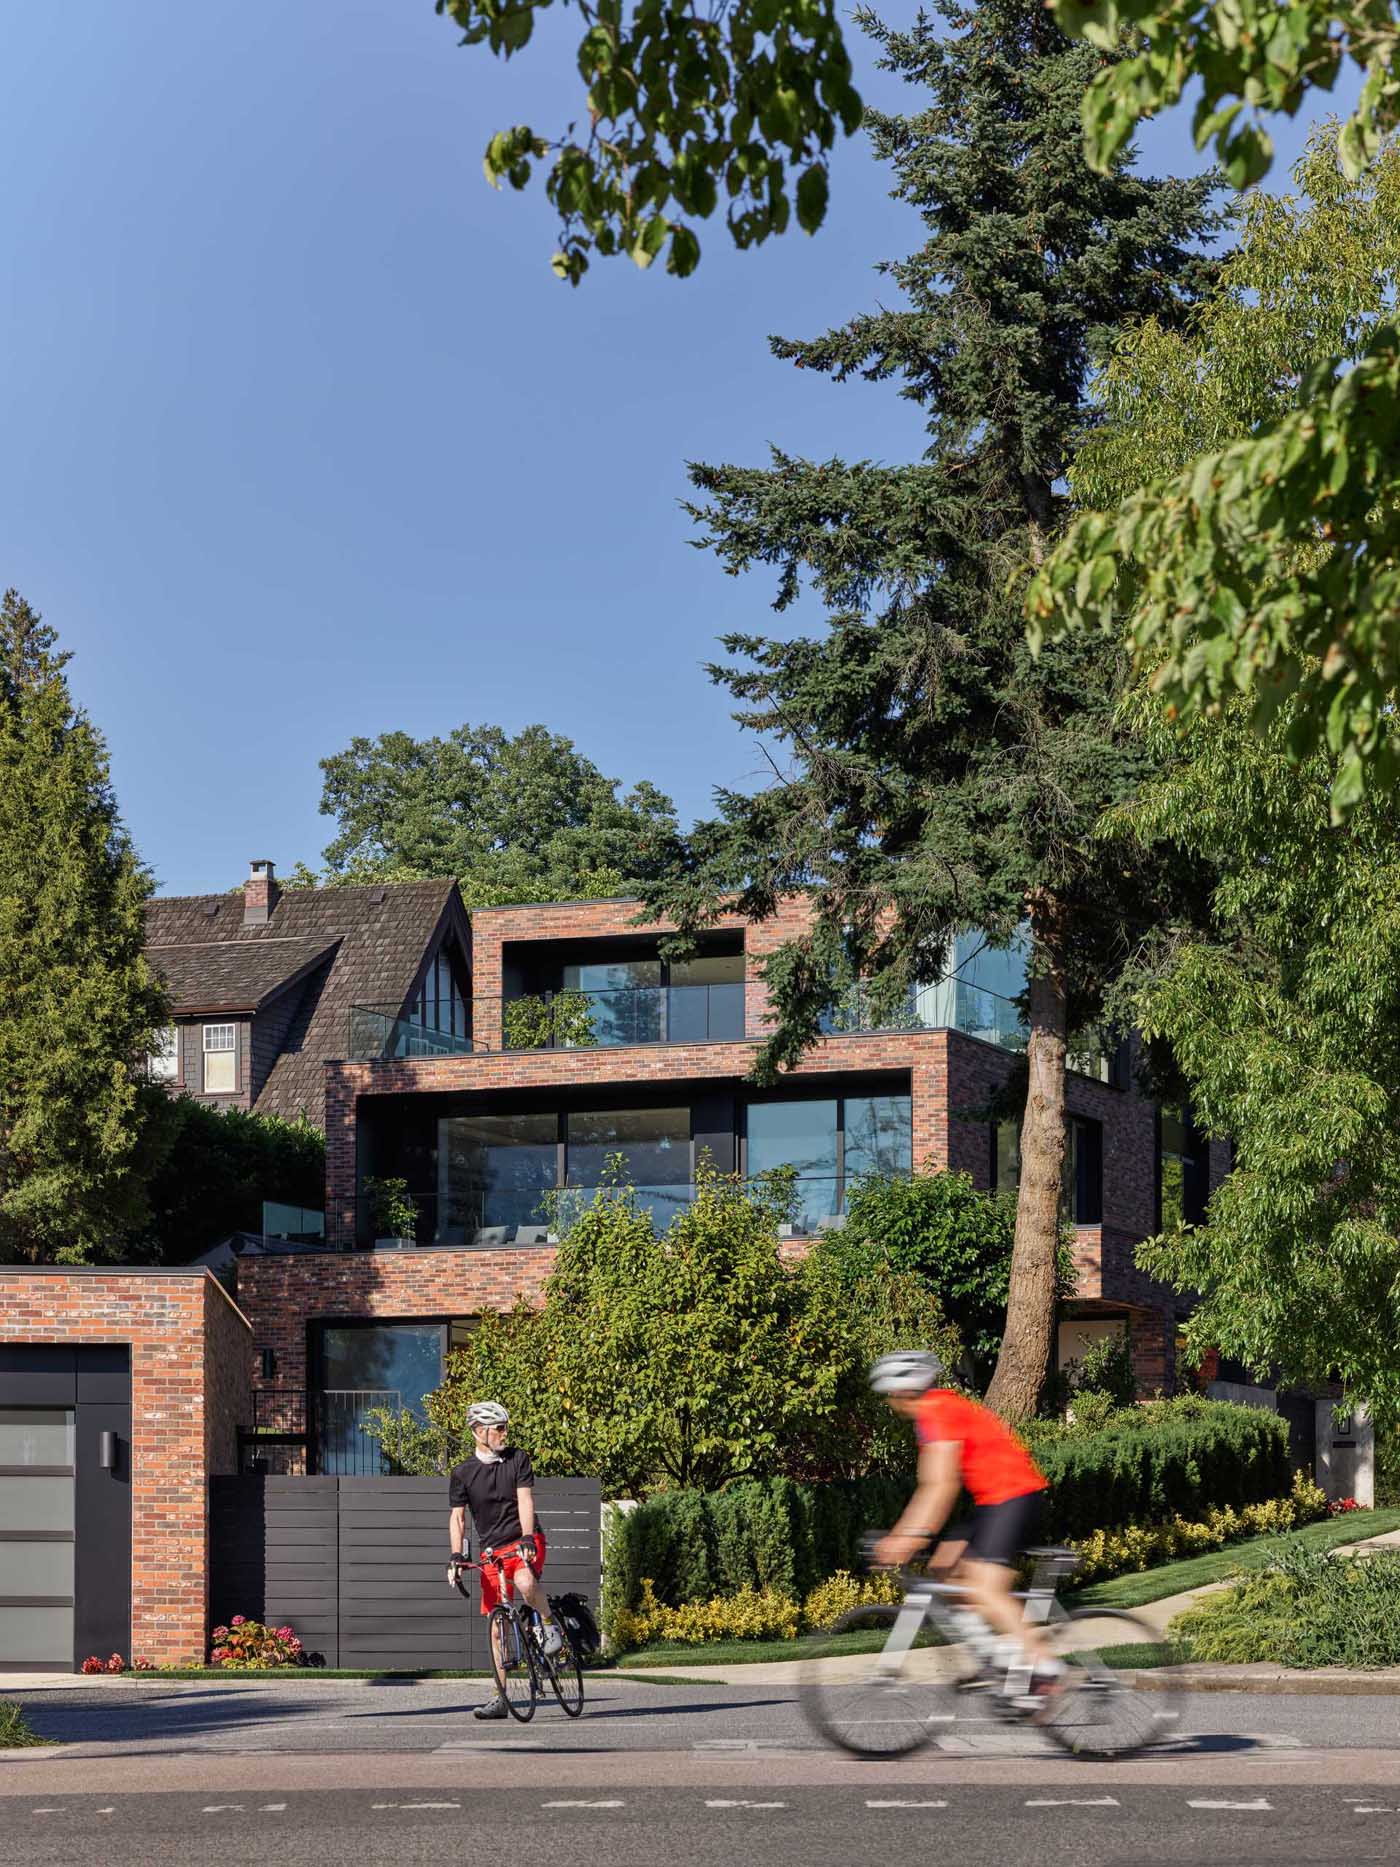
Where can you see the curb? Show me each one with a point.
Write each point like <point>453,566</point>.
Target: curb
<point>1268,1681</point>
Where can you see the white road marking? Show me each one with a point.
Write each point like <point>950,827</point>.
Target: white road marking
<point>110,1811</point>
<point>905,1805</point>
<point>430,1805</point>
<point>1200,1803</point>
<point>1374,1808</point>
<point>583,1805</point>
<point>718,1804</point>
<point>1073,1802</point>
<point>46,1811</point>
<point>272,1808</point>
<point>222,1808</point>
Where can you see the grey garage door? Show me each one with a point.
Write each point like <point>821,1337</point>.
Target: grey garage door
<point>37,1522</point>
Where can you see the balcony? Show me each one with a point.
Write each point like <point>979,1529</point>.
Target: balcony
<point>377,1031</point>
<point>952,1005</point>
<point>620,1016</point>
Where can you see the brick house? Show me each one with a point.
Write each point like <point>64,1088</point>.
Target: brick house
<point>488,1063</point>
<point>585,1043</point>
<point>262,982</point>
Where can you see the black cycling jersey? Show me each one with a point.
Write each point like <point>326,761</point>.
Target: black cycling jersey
<point>488,1489</point>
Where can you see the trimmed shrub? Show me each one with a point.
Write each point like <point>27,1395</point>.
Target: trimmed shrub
<point>1170,1458</point>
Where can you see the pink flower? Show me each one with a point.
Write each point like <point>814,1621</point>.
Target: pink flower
<point>219,1633</point>
<point>238,1620</point>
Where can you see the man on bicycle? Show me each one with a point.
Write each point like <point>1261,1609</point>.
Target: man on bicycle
<point>496,1484</point>
<point>963,1445</point>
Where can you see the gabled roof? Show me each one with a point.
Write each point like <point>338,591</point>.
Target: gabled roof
<point>330,947</point>
<point>233,976</point>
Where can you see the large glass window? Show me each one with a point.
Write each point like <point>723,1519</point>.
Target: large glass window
<point>979,991</point>
<point>705,998</point>
<point>441,1006</point>
<point>879,1137</point>
<point>393,1365</point>
<point>163,1063</point>
<point>494,1170</point>
<point>1183,1170</point>
<point>1081,1176</point>
<point>655,1148</point>
<point>624,999</point>
<point>800,1135</point>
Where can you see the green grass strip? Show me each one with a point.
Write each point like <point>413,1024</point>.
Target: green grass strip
<point>1137,1588</point>
<point>754,1652</point>
<point>305,1675</point>
<point>15,1734</point>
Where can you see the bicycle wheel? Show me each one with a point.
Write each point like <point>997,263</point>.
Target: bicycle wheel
<point>565,1675</point>
<point>870,1706</point>
<point>513,1664</point>
<point>1098,1712</point>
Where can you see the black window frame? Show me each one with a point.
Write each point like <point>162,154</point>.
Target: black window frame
<point>1081,1201</point>
<point>840,1096</point>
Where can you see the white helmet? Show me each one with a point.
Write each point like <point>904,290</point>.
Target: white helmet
<point>487,1413</point>
<point>909,1371</point>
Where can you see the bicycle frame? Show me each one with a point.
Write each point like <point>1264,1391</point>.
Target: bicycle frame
<point>925,1599</point>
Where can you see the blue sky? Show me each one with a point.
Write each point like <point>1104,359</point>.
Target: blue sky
<point>304,440</point>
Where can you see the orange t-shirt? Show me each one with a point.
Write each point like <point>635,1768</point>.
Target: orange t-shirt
<point>995,1465</point>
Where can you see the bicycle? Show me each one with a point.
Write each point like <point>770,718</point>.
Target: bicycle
<point>902,1702</point>
<point>519,1663</point>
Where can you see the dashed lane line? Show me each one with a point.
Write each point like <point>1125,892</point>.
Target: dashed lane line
<point>580,1804</point>
<point>1073,1802</point>
<point>719,1802</point>
<point>1205,1802</point>
<point>893,1803</point>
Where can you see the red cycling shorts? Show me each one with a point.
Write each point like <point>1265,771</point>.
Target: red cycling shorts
<point>511,1560</point>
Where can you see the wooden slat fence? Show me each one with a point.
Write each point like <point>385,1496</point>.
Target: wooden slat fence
<point>357,1565</point>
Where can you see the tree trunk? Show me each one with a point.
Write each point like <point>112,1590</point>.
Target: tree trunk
<point>1024,1360</point>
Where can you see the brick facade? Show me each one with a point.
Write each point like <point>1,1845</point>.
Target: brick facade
<point>191,1364</point>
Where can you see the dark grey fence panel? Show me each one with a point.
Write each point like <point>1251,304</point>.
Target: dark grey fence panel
<point>273,1555</point>
<point>358,1565</point>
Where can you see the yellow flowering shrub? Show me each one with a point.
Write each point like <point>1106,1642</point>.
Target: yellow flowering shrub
<point>752,1614</point>
<point>843,1592</point>
<point>1140,1546</point>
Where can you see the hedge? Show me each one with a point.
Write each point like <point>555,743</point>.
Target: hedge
<point>1165,1460</point>
<point>1169,1459</point>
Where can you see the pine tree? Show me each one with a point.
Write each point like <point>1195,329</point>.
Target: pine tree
<point>938,776</point>
<point>80,1007</point>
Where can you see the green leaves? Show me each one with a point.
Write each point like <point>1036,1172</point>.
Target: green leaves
<point>680,107</point>
<point>1269,566</point>
<point>1251,53</point>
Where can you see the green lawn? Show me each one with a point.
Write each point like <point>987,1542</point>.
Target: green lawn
<point>1174,1578</point>
<point>741,1652</point>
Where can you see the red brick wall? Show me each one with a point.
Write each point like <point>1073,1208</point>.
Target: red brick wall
<point>190,1352</point>
<point>281,1294</point>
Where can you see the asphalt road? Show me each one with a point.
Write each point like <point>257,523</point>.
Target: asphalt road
<point>398,1772</point>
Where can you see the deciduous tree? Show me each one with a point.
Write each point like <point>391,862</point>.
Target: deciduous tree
<point>527,818</point>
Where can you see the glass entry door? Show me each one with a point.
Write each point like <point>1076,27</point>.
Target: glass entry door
<point>36,1538</point>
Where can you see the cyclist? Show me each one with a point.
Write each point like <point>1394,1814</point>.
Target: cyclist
<point>963,1445</point>
<point>496,1485</point>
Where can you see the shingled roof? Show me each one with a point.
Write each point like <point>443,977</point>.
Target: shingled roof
<point>331,947</point>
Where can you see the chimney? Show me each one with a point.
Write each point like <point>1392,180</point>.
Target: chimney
<point>260,893</point>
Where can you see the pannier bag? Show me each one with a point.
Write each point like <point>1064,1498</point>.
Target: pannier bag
<point>574,1611</point>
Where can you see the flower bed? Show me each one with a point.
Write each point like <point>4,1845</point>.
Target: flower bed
<point>249,1646</point>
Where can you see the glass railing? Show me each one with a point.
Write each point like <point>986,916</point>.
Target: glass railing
<point>378,1031</point>
<point>952,1005</point>
<point>495,1224</point>
<point>623,1015</point>
<point>300,1224</point>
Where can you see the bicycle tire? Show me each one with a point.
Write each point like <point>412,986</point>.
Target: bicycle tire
<point>516,1679</point>
<point>1098,1712</point>
<point>872,1713</point>
<point>565,1676</point>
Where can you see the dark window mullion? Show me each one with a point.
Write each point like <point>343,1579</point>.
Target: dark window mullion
<point>840,1154</point>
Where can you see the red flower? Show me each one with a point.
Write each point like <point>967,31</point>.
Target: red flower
<point>91,1664</point>
<point>116,1664</point>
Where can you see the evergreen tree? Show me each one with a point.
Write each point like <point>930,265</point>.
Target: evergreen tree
<point>80,1007</point>
<point>940,777</point>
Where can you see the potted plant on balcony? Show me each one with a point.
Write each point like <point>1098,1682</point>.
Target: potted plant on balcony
<point>394,1213</point>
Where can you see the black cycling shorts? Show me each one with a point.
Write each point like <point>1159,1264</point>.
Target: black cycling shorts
<point>999,1532</point>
